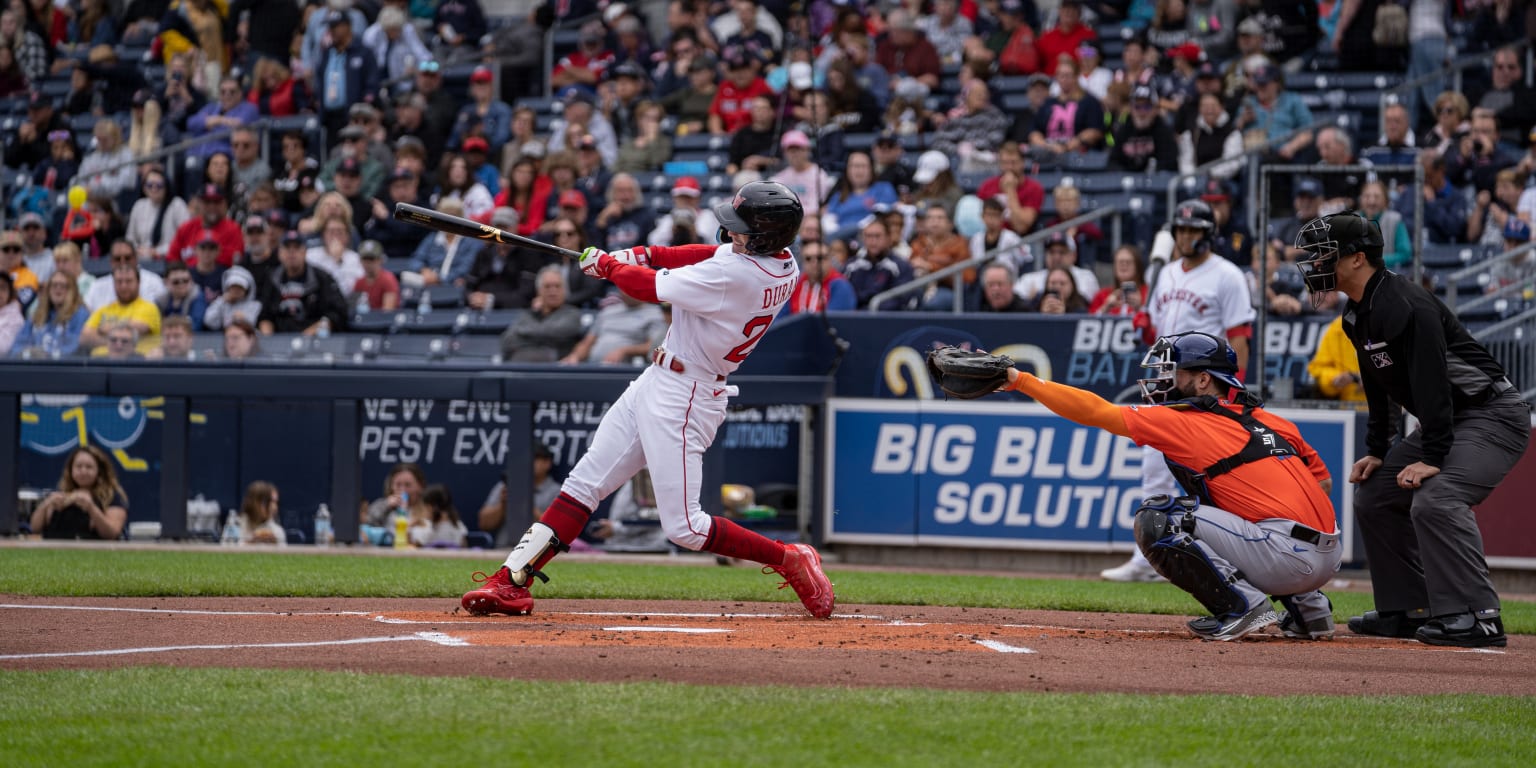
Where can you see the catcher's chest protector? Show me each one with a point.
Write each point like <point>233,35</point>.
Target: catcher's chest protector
<point>1263,443</point>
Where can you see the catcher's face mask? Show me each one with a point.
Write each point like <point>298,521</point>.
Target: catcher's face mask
<point>1320,261</point>
<point>1156,387</point>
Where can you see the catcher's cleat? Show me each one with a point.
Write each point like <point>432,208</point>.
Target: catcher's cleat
<point>1386,624</point>
<point>1317,629</point>
<point>802,570</point>
<point>497,594</point>
<point>1232,626</point>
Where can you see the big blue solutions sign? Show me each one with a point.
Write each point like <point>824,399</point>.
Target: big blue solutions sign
<point>1004,475</point>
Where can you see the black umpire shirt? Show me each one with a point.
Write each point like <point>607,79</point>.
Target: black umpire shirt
<point>1415,353</point>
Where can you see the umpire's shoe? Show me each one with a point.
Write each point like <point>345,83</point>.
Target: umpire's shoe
<point>1387,624</point>
<point>1463,631</point>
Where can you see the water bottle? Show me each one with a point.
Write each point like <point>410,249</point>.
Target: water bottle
<point>231,535</point>
<point>324,331</point>
<point>362,303</point>
<point>324,535</point>
<point>402,529</point>
<point>424,307</point>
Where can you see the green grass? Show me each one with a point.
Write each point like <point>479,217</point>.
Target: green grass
<point>139,573</point>
<point>162,716</point>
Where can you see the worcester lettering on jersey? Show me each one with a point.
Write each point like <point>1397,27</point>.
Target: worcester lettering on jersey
<point>1184,296</point>
<point>775,296</point>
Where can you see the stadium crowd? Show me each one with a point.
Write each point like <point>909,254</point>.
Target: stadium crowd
<point>181,167</point>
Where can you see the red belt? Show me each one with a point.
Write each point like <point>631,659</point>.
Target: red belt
<point>661,357</point>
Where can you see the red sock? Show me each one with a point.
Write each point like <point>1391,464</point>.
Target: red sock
<point>568,518</point>
<point>731,540</point>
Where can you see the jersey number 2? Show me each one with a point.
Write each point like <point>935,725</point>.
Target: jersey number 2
<point>753,330</point>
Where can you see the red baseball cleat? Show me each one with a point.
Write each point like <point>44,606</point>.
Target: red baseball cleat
<point>802,570</point>
<point>497,595</point>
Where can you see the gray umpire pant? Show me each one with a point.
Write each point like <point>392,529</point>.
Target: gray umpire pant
<point>1423,547</point>
<point>1267,559</point>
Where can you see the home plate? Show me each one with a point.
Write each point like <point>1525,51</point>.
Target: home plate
<point>682,630</point>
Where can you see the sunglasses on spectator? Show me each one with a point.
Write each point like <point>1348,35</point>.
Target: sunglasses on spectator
<point>10,249</point>
<point>179,281</point>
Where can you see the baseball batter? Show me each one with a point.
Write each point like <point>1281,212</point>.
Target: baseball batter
<point>723,300</point>
<point>1257,520</point>
<point>1195,293</point>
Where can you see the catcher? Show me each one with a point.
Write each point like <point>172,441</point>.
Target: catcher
<point>1259,521</point>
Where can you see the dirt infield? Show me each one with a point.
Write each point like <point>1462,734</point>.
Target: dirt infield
<point>718,643</point>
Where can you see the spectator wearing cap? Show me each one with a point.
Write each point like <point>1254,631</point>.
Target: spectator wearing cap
<point>474,151</point>
<point>1013,40</point>
<point>183,297</point>
<point>155,217</point>
<point>442,106</point>
<point>1520,269</point>
<point>579,116</point>
<point>621,95</point>
<point>584,67</point>
<point>484,115</point>
<point>1307,203</point>
<point>1207,79</point>
<point>996,237</point>
<point>502,274</point>
<point>61,165</point>
<point>592,174</point>
<point>206,272</point>
<point>350,186</point>
<point>650,146</point>
<point>459,24</point>
<point>689,105</point>
<point>398,239</point>
<point>934,182</point>
<point>34,245</point>
<point>975,129</point>
<point>1250,50</point>
<point>236,302</point>
<point>632,43</point>
<point>1065,37</point>
<point>229,111</point>
<point>444,258</point>
<point>626,219</point>
<point>906,53</point>
<point>371,120</point>
<point>213,222</point>
<point>353,159</point>
<point>378,284</point>
<point>732,107</point>
<point>1060,254</point>
<point>753,146</point>
<point>410,119</point>
<point>31,146</point>
<point>1175,87</point>
<point>127,307</point>
<point>24,282</point>
<point>297,297</point>
<point>805,178</point>
<point>396,46</point>
<point>887,153</point>
<point>1275,112</point>
<point>1023,196</point>
<point>1231,240</point>
<point>1146,141</point>
<point>1072,121</point>
<point>686,196</point>
<point>877,268</point>
<point>346,72</point>
<point>261,236</point>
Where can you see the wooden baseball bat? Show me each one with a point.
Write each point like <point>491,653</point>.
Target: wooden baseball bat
<point>454,225</point>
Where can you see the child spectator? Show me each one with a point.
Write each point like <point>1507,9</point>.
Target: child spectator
<point>259,516</point>
<point>437,523</point>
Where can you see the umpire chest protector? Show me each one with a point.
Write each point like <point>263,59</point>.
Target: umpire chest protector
<point>1263,443</point>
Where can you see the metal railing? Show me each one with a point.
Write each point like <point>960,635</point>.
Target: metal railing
<point>955,271</point>
<point>1487,265</point>
<point>1512,342</point>
<point>1249,158</point>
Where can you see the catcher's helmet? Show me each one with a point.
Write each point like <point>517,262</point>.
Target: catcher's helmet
<point>1327,238</point>
<point>1191,351</point>
<point>767,212</point>
<point>1195,213</point>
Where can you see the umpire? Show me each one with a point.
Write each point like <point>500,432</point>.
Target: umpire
<point>1415,498</point>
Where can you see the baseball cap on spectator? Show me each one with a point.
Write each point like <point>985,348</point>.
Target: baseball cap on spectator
<point>352,132</point>
<point>1038,79</point>
<point>338,17</point>
<point>1060,238</point>
<point>292,237</point>
<point>350,167</point>
<point>734,57</point>
<point>240,276</point>
<point>482,74</point>
<point>31,219</point>
<point>703,63</point>
<point>627,69</point>
<point>39,100</point>
<point>405,143</point>
<point>1250,26</point>
<point>572,199</point>
<point>911,89</point>
<point>1143,93</point>
<point>572,94</point>
<point>504,217</point>
<point>1264,74</point>
<point>400,173</point>
<point>1215,191</point>
<point>533,148</point>
<point>370,249</point>
<point>930,165</point>
<point>794,138</point>
<point>614,11</point>
<point>1515,229</point>
<point>212,192</point>
<point>208,241</point>
<point>542,451</point>
<point>587,142</point>
<point>800,76</point>
<point>1307,185</point>
<point>1207,69</point>
<point>1015,7</point>
<point>277,218</point>
<point>887,140</point>
<point>10,237</point>
<point>686,186</point>
<point>254,223</point>
<point>363,109</point>
<point>476,144</point>
<point>1187,51</point>
<point>429,67</point>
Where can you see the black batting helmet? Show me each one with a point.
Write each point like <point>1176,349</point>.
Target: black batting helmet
<point>767,212</point>
<point>1195,213</point>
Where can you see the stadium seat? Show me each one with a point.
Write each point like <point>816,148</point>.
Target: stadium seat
<point>444,296</point>
<point>97,267</point>
<point>420,347</point>
<point>377,321</point>
<point>1451,257</point>
<point>479,347</point>
<point>486,323</point>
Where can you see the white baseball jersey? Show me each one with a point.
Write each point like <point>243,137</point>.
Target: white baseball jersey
<point>1209,298</point>
<point>722,306</point>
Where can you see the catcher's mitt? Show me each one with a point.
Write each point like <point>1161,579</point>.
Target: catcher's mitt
<point>968,375</point>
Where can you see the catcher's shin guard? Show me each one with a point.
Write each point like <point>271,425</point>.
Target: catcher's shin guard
<point>538,546</point>
<point>1175,554</point>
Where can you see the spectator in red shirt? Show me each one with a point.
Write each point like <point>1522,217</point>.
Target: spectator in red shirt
<point>1026,194</point>
<point>213,223</point>
<point>1065,37</point>
<point>585,66</point>
<point>377,283</point>
<point>1014,41</point>
<point>732,108</point>
<point>905,52</point>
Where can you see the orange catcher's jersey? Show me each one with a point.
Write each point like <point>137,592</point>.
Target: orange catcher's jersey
<point>1283,487</point>
<point>722,306</point>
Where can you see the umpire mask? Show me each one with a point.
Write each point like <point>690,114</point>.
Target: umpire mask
<point>1327,238</point>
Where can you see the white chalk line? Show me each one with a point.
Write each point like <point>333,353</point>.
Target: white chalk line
<point>24,606</point>
<point>680,630</point>
<point>1001,647</point>
<point>436,638</point>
